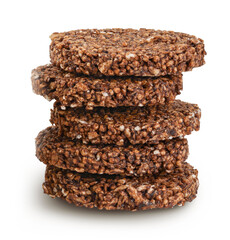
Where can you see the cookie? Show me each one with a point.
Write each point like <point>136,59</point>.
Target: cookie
<point>130,160</point>
<point>113,192</point>
<point>133,125</point>
<point>126,52</point>
<point>87,91</point>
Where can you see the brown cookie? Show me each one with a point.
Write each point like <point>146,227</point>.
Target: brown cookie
<point>132,125</point>
<point>108,159</point>
<point>112,192</point>
<point>87,91</point>
<point>126,52</point>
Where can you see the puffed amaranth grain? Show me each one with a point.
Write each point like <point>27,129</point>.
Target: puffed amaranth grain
<point>126,52</point>
<point>130,160</point>
<point>123,125</point>
<point>113,192</point>
<point>87,91</point>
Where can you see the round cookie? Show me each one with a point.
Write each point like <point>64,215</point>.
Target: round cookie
<point>88,91</point>
<point>108,159</point>
<point>113,192</point>
<point>133,125</point>
<point>126,52</point>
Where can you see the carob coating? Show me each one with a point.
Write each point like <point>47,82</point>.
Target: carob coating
<point>87,91</point>
<point>113,192</point>
<point>126,52</point>
<point>129,160</point>
<point>124,125</point>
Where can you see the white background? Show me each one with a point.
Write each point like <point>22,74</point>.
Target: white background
<point>27,213</point>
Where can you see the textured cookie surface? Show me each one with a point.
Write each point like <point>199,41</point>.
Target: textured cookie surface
<point>87,91</point>
<point>104,159</point>
<point>124,193</point>
<point>126,52</point>
<point>133,125</point>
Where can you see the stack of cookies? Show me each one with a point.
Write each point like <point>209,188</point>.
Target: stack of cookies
<point>117,139</point>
